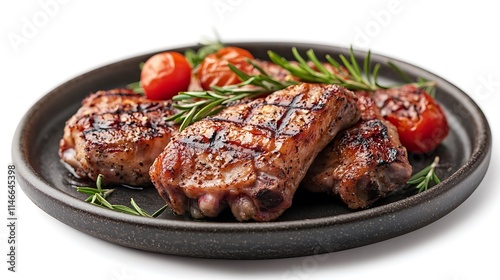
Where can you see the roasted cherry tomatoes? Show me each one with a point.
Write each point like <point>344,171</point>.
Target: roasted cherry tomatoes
<point>164,75</point>
<point>214,69</point>
<point>420,121</point>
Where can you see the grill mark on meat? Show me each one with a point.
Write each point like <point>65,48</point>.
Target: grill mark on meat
<point>284,121</point>
<point>277,122</point>
<point>215,143</point>
<point>252,156</point>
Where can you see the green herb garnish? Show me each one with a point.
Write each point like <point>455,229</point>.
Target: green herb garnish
<point>423,178</point>
<point>348,74</point>
<point>98,195</point>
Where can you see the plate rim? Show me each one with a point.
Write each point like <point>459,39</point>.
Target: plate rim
<point>480,153</point>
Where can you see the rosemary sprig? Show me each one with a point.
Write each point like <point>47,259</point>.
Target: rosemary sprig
<point>353,78</point>
<point>98,195</point>
<point>196,105</point>
<point>423,178</point>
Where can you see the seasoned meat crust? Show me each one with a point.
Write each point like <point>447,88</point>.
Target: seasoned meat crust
<point>363,163</point>
<point>117,133</point>
<point>252,156</point>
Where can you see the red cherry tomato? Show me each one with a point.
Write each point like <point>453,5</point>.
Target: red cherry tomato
<point>420,121</point>
<point>164,75</point>
<point>213,69</point>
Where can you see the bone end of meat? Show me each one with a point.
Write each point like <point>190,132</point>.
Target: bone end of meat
<point>251,157</point>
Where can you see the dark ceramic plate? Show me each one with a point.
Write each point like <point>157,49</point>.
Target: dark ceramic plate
<point>314,224</point>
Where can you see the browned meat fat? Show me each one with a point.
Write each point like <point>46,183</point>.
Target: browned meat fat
<point>251,157</point>
<point>117,133</point>
<point>363,163</point>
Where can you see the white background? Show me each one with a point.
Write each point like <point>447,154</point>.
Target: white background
<point>43,45</point>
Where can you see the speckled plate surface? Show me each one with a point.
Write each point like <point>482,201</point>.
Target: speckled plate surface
<point>314,224</point>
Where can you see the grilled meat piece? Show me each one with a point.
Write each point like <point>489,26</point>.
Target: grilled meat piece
<point>251,157</point>
<point>363,163</point>
<point>117,133</point>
